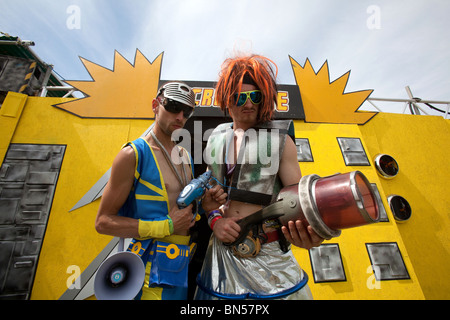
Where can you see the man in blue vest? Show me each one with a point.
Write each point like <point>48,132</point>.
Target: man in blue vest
<point>147,176</point>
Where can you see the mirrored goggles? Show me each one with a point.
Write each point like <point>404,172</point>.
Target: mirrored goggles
<point>241,98</point>
<point>175,107</point>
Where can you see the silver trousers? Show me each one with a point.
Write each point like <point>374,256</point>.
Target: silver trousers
<point>272,273</point>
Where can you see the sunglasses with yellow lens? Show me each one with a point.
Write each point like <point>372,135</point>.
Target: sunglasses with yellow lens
<point>241,98</point>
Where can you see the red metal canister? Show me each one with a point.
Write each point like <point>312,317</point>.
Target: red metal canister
<point>331,203</point>
<point>345,200</point>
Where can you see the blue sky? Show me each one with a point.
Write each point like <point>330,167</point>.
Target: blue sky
<point>387,44</point>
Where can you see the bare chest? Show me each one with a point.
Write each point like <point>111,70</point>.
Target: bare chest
<point>171,179</point>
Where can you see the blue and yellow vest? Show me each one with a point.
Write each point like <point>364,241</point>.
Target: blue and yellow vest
<point>148,199</point>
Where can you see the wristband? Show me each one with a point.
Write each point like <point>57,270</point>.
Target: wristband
<point>213,222</point>
<point>214,213</point>
<point>170,224</point>
<point>155,229</point>
<point>213,216</point>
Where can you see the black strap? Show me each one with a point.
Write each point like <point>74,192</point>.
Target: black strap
<point>250,197</point>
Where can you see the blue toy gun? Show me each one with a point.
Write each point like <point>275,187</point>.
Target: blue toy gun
<point>194,190</point>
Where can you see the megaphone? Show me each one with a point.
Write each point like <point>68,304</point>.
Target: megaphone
<point>119,277</point>
<point>331,203</point>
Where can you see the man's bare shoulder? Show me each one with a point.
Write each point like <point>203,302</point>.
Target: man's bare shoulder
<point>125,158</point>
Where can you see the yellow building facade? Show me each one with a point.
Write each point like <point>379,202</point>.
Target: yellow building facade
<point>390,259</point>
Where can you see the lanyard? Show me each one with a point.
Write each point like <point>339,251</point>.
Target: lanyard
<point>183,182</point>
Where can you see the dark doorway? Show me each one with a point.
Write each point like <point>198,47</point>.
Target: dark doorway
<point>201,232</point>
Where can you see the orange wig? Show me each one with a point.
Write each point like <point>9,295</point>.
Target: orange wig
<point>236,71</point>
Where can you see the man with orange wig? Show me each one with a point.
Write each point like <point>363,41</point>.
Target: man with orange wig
<point>253,157</point>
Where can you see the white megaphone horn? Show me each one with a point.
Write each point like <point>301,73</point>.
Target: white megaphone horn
<point>119,277</point>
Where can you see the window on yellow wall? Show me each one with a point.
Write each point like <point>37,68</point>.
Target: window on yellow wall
<point>304,153</point>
